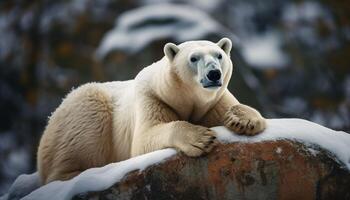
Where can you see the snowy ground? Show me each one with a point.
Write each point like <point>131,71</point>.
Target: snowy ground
<point>97,179</point>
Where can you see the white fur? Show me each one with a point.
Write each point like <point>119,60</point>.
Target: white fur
<point>165,106</point>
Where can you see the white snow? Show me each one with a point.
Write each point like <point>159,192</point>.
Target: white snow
<point>309,133</point>
<point>264,51</point>
<point>137,28</point>
<point>313,151</point>
<point>279,150</point>
<point>97,179</point>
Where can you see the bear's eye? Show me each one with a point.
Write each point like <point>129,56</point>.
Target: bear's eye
<point>194,59</point>
<point>219,56</point>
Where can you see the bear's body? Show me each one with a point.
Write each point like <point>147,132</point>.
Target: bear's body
<point>169,104</point>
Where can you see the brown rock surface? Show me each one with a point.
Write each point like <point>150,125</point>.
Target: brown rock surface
<point>267,170</point>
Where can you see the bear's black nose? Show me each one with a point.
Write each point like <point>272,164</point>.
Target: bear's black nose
<point>214,75</point>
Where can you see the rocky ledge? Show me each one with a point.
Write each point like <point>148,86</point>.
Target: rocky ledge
<point>264,170</point>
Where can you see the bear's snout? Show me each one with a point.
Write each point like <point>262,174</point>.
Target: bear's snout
<point>212,79</point>
<point>214,75</point>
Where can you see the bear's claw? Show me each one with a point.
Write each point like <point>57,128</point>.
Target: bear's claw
<point>244,120</point>
<point>197,142</point>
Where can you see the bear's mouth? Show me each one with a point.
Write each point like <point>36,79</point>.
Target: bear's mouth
<point>210,84</point>
<point>213,85</point>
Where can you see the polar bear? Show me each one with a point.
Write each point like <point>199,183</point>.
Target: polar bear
<point>170,103</point>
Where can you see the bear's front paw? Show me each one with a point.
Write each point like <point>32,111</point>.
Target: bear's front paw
<point>244,120</point>
<point>197,141</point>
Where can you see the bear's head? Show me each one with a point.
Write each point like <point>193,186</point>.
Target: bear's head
<point>201,63</point>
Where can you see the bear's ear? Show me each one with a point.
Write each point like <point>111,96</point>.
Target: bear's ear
<point>225,44</point>
<point>170,50</point>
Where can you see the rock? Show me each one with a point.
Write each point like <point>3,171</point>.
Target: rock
<point>266,170</point>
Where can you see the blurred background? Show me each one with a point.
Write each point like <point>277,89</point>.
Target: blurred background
<point>291,57</point>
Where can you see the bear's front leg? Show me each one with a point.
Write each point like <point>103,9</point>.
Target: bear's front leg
<point>190,139</point>
<point>244,120</point>
<point>157,127</point>
<point>239,118</point>
<point>193,140</point>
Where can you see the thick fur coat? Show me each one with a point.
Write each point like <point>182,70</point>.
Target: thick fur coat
<point>170,103</point>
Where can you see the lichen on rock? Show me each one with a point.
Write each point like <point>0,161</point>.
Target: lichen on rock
<point>238,171</point>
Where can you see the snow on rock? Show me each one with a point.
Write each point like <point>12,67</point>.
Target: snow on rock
<point>264,51</point>
<point>97,179</point>
<point>139,27</point>
<point>309,133</point>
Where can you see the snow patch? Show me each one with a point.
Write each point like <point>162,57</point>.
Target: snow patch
<point>137,28</point>
<point>148,187</point>
<point>279,150</point>
<point>313,152</point>
<point>98,179</point>
<point>264,51</point>
<point>309,133</point>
